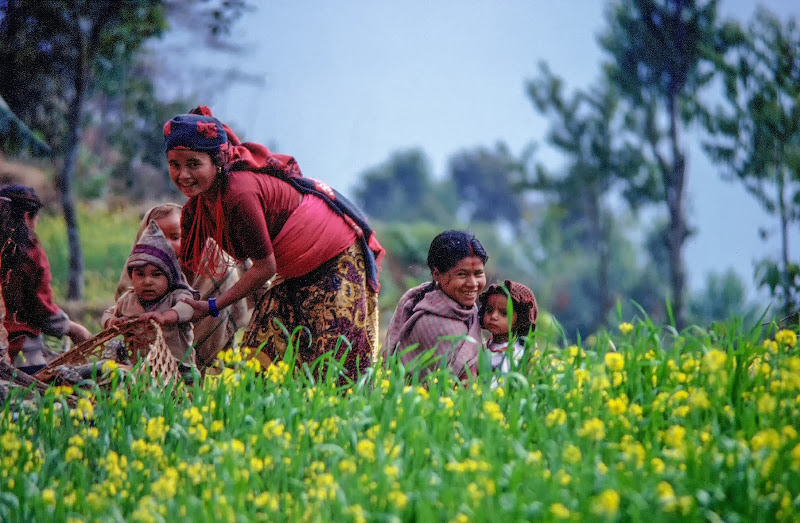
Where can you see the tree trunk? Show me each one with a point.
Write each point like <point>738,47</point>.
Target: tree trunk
<point>600,239</point>
<point>674,180</point>
<point>782,212</point>
<point>67,174</point>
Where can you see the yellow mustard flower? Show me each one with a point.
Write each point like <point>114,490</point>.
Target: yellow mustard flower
<point>614,361</point>
<point>555,417</point>
<point>625,328</point>
<point>593,428</point>
<point>559,511</point>
<point>606,504</point>
<point>786,338</point>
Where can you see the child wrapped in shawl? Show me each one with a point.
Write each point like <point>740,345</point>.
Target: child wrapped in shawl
<point>211,335</point>
<point>158,288</point>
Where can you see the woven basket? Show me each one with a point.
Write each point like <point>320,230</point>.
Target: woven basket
<point>143,341</point>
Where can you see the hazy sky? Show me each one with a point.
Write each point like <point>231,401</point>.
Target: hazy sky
<point>346,84</point>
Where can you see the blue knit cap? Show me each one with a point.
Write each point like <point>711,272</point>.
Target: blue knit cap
<point>195,132</point>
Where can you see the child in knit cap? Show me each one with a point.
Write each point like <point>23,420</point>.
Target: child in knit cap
<point>158,288</point>
<point>494,311</point>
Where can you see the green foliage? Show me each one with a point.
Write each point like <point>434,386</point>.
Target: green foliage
<point>692,426</point>
<point>723,297</point>
<point>601,162</point>
<point>783,283</point>
<point>661,55</point>
<point>15,137</point>
<point>106,237</point>
<point>485,182</point>
<point>403,189</point>
<point>43,46</point>
<point>756,135</point>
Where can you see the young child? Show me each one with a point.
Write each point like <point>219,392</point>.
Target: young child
<point>211,334</point>
<point>493,310</point>
<point>158,286</point>
<point>30,306</point>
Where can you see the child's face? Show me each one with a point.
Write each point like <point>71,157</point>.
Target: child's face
<point>149,282</point>
<point>170,225</point>
<point>495,316</point>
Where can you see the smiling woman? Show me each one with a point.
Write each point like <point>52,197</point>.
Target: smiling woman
<point>256,205</point>
<point>442,314</point>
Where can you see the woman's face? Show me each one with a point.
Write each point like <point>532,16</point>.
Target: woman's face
<point>170,225</point>
<point>192,172</point>
<point>31,220</point>
<point>464,282</point>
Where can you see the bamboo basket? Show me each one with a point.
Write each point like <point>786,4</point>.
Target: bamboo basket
<point>143,341</point>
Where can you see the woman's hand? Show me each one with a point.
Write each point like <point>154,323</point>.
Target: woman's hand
<point>78,333</point>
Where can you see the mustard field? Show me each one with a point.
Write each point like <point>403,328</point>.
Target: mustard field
<point>672,426</point>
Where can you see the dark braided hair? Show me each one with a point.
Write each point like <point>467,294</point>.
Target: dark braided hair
<point>16,201</point>
<point>447,249</point>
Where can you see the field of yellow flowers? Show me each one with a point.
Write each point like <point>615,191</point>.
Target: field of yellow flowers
<point>671,426</point>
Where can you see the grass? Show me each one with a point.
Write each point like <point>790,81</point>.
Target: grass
<point>693,426</point>
<point>106,239</point>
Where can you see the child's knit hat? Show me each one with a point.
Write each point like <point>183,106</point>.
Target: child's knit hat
<point>153,248</point>
<point>524,303</point>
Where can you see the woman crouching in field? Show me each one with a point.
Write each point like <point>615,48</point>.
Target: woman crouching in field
<point>30,306</point>
<point>442,314</point>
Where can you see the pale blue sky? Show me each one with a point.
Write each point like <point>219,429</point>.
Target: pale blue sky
<point>346,84</point>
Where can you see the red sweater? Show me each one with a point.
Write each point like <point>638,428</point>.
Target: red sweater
<point>30,304</point>
<point>257,207</point>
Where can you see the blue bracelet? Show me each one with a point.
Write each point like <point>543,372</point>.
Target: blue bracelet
<point>212,308</point>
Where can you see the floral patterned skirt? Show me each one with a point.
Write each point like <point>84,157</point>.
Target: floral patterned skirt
<point>334,305</point>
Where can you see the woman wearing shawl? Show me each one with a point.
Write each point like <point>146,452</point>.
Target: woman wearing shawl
<point>256,205</point>
<point>27,293</point>
<point>211,335</point>
<point>442,314</point>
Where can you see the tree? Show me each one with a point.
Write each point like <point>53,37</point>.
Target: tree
<point>601,162</point>
<point>15,136</point>
<point>70,42</point>
<point>662,53</point>
<point>756,135</point>
<point>485,185</point>
<point>723,298</point>
<point>56,55</point>
<point>402,189</point>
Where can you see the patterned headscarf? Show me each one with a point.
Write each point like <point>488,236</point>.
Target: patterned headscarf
<point>195,132</point>
<point>523,300</point>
